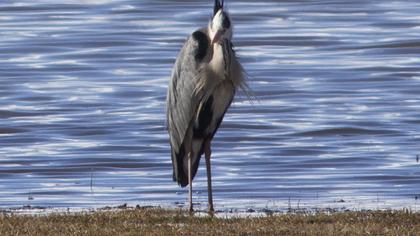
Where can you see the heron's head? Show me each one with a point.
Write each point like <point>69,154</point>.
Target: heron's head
<point>220,27</point>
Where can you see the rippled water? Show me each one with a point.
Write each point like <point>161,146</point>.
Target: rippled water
<point>336,121</point>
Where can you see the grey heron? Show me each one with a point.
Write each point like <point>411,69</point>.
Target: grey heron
<point>204,80</point>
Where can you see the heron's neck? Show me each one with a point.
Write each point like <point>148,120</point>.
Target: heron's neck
<point>217,62</point>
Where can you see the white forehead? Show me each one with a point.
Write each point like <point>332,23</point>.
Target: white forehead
<point>218,20</point>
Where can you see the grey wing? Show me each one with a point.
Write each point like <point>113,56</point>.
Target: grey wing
<point>185,94</point>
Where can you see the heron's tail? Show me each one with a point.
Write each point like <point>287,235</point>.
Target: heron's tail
<point>180,166</point>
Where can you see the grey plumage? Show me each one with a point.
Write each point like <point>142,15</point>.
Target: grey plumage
<point>204,80</point>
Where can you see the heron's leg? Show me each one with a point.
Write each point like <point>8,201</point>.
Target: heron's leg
<point>190,156</point>
<point>207,152</point>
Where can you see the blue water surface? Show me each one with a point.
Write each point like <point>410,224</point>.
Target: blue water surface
<point>335,122</point>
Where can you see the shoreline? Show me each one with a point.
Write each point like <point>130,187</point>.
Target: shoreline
<point>248,212</point>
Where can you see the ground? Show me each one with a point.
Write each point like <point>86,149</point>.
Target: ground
<point>155,221</point>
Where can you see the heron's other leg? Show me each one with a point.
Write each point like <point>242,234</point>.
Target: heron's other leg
<point>190,157</point>
<point>207,152</point>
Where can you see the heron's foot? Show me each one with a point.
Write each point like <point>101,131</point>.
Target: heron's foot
<point>211,211</point>
<point>191,210</point>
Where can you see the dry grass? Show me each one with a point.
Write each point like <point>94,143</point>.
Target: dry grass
<point>171,222</point>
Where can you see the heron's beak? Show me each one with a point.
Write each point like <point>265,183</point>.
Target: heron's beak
<point>217,37</point>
